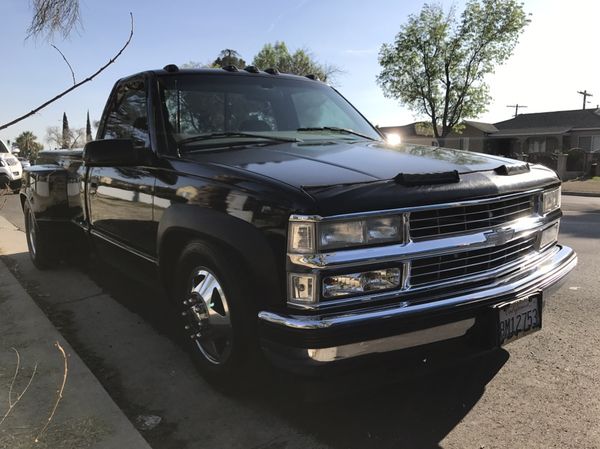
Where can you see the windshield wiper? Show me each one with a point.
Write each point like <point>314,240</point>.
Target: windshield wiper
<point>221,135</point>
<point>337,130</point>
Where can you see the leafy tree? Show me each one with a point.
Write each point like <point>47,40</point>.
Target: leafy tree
<point>66,133</point>
<point>301,62</point>
<point>28,145</point>
<point>229,57</point>
<point>438,62</point>
<point>226,57</point>
<point>193,65</point>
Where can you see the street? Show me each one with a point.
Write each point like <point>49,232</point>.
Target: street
<point>540,392</point>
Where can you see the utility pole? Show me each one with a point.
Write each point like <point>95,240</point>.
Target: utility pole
<point>585,94</point>
<point>516,106</point>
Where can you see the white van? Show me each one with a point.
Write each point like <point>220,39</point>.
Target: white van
<point>11,170</point>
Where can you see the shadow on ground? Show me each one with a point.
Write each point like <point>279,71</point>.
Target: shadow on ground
<point>384,405</point>
<point>583,225</point>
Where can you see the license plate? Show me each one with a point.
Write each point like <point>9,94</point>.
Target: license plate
<point>519,318</point>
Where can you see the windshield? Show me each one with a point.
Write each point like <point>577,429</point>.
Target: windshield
<point>234,108</point>
<point>3,148</point>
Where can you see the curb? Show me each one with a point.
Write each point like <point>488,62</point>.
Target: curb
<point>85,415</point>
<point>588,194</point>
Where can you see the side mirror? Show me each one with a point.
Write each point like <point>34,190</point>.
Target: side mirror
<point>114,152</point>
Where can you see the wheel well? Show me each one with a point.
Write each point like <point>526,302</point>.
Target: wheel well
<point>173,243</point>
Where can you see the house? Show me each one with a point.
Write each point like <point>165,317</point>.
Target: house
<point>548,132</point>
<point>566,141</point>
<point>420,133</point>
<point>473,136</point>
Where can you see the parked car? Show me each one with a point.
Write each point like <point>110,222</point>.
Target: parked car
<point>11,171</point>
<point>278,218</point>
<point>24,162</point>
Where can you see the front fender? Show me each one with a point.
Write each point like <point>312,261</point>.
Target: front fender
<point>257,250</point>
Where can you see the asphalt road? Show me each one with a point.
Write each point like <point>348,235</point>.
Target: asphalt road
<point>541,392</point>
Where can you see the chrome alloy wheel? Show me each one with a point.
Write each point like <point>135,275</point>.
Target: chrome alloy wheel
<point>31,232</point>
<point>207,315</point>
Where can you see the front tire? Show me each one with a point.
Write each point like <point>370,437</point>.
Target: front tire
<point>43,249</point>
<point>216,313</point>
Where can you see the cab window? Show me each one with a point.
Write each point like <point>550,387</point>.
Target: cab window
<point>128,115</point>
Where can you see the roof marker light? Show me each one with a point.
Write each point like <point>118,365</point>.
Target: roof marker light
<point>171,68</point>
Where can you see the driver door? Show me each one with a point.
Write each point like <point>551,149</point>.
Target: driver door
<point>120,199</point>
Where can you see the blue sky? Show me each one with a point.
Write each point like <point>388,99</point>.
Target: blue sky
<point>556,57</point>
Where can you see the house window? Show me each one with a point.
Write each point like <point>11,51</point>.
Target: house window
<point>589,143</point>
<point>537,144</point>
<point>464,143</point>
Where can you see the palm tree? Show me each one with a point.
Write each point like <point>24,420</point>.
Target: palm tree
<point>28,145</point>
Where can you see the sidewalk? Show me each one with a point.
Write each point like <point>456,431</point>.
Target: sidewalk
<point>588,187</point>
<point>52,396</point>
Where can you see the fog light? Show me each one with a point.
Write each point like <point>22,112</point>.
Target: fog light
<point>358,283</point>
<point>548,237</point>
<point>302,288</point>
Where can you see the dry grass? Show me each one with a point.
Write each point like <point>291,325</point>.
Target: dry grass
<point>78,433</point>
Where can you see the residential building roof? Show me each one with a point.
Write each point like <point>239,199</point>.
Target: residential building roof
<point>524,132</point>
<point>487,128</point>
<point>579,118</point>
<point>416,129</point>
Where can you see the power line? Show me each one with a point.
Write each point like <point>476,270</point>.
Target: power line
<point>516,106</point>
<point>585,94</point>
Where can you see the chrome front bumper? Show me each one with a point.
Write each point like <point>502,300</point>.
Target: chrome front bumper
<point>545,277</point>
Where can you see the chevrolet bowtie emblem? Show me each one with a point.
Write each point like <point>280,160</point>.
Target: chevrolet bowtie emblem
<point>499,236</point>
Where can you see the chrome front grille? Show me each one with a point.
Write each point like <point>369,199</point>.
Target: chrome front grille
<point>460,219</point>
<point>446,247</point>
<point>437,269</point>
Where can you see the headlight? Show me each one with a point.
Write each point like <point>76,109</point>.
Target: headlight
<point>341,234</point>
<point>550,201</point>
<point>307,237</point>
<point>345,234</point>
<point>2,163</point>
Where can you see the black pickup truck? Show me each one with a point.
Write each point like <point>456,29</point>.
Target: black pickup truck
<point>278,218</point>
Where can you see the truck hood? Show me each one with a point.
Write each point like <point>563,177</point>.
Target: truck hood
<point>356,177</point>
<point>326,164</point>
<point>7,156</point>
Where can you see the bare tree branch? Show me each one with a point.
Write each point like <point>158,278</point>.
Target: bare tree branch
<point>53,16</point>
<point>66,61</point>
<point>11,403</point>
<point>60,391</point>
<point>74,86</point>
